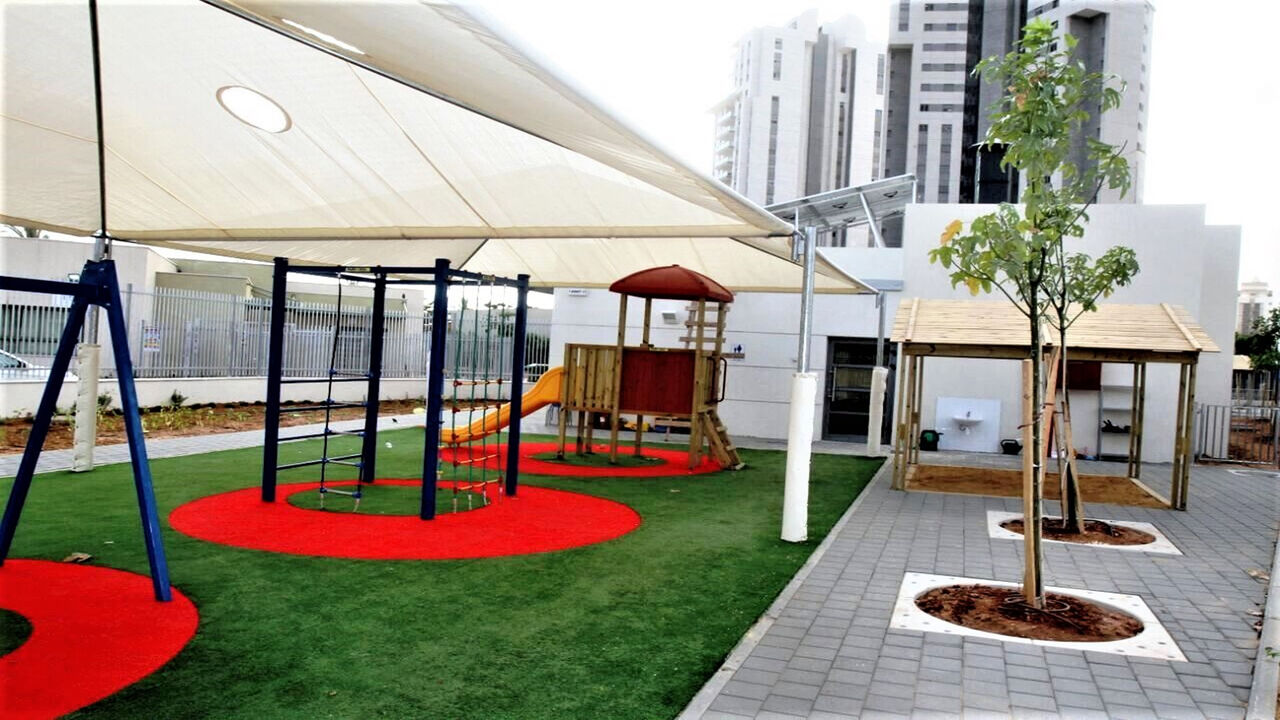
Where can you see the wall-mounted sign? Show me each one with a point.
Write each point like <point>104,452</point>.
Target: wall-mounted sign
<point>150,338</point>
<point>578,292</point>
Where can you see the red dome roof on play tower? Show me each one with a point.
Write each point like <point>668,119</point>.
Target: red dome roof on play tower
<point>672,282</point>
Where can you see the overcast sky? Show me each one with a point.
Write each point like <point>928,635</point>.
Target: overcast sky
<point>1214,106</point>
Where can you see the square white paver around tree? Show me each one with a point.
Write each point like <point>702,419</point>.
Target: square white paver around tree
<point>1161,544</point>
<point>1153,642</point>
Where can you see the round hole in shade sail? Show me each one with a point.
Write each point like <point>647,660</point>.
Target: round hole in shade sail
<point>253,108</point>
<point>323,37</point>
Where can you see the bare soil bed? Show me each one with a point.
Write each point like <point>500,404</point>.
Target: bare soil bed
<point>1001,610</point>
<point>1096,532</point>
<point>184,421</point>
<point>1008,483</point>
<point>1251,440</point>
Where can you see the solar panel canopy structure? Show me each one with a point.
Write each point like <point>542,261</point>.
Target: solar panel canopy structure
<point>867,204</point>
<point>353,133</point>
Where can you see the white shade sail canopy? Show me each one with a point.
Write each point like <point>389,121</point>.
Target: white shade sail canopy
<point>353,133</point>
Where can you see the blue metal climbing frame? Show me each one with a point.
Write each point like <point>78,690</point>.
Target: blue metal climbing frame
<point>441,276</point>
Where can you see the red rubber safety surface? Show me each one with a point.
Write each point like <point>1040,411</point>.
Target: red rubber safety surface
<point>537,520</point>
<point>94,630</point>
<point>674,462</point>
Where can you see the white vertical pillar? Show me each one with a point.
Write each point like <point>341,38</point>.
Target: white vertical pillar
<point>875,420</point>
<point>804,394</point>
<point>795,494</point>
<point>86,407</point>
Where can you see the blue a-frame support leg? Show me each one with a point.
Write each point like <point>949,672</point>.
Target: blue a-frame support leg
<point>435,389</point>
<point>98,286</point>
<point>517,385</point>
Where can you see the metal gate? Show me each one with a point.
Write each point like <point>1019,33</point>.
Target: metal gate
<point>1238,434</point>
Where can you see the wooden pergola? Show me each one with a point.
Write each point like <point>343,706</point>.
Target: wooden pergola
<point>1129,334</point>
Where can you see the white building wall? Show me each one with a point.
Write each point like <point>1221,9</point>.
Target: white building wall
<point>764,324</point>
<point>1184,262</point>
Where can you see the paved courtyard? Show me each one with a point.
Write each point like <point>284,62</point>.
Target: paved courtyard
<point>830,653</point>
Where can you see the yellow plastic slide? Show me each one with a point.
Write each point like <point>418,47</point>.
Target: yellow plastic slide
<point>543,393</point>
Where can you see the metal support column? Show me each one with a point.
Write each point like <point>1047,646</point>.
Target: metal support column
<point>435,389</point>
<point>806,299</point>
<point>871,221</point>
<point>369,446</point>
<point>804,387</point>
<point>880,309</point>
<point>275,371</point>
<point>517,384</point>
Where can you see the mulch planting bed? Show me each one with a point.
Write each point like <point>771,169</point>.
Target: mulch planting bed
<point>1096,532</point>
<point>1008,483</point>
<point>184,421</point>
<point>1001,610</point>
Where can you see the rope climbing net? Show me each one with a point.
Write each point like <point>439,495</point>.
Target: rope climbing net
<point>477,394</point>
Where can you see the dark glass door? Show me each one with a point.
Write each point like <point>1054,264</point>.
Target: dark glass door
<point>847,405</point>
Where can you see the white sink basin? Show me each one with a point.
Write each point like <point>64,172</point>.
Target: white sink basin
<point>965,422</point>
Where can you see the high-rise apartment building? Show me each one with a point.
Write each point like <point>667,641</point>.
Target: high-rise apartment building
<point>805,114</point>
<point>1253,302</point>
<point>936,110</point>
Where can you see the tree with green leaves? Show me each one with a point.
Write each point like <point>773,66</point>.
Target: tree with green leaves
<point>1262,342</point>
<point>1262,345</point>
<point>1020,251</point>
<point>1080,283</point>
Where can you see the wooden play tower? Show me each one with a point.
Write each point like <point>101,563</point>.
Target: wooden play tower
<point>668,385</point>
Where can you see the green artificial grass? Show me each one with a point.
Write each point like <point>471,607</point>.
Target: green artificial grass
<point>14,630</point>
<point>598,459</point>
<point>389,500</point>
<point>630,628</point>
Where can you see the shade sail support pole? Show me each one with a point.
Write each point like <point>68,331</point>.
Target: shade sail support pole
<point>88,364</point>
<point>804,392</point>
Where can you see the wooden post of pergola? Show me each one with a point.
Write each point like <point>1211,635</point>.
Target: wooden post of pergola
<point>1137,335</point>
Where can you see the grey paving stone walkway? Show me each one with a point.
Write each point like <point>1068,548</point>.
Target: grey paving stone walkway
<point>830,654</point>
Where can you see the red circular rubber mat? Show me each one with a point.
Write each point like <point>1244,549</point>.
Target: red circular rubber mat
<point>537,520</point>
<point>674,462</point>
<point>94,631</point>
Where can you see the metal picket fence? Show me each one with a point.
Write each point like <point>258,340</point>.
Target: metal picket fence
<point>189,334</point>
<point>1238,434</point>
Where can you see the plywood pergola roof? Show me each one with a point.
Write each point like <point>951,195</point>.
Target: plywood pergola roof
<point>1115,333</point>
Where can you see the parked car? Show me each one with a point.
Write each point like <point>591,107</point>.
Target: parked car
<point>13,367</point>
<point>533,371</point>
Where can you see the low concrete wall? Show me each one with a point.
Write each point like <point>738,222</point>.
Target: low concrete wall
<point>23,397</point>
